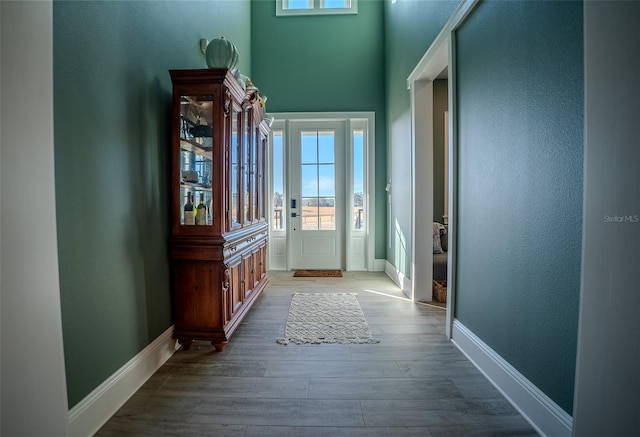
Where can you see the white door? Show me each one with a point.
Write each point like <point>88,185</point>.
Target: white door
<point>316,195</point>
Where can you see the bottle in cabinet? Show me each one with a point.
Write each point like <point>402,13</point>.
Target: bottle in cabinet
<point>189,216</point>
<point>201,212</point>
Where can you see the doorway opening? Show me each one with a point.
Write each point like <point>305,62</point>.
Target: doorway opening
<point>321,179</point>
<point>439,58</point>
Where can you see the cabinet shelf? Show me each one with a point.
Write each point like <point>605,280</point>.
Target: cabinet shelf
<point>196,186</point>
<point>194,147</point>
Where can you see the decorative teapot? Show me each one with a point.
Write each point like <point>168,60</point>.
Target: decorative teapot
<point>222,53</point>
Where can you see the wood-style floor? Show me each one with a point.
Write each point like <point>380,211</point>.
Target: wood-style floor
<point>413,383</point>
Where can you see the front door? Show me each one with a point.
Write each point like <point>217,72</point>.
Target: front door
<point>316,195</point>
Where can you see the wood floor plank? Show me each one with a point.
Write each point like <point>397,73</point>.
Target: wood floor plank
<point>334,431</point>
<point>383,388</point>
<point>236,387</point>
<point>284,412</point>
<point>334,369</point>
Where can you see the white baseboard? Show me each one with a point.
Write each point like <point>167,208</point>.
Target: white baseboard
<point>86,418</point>
<point>379,264</point>
<point>397,276</point>
<point>539,410</point>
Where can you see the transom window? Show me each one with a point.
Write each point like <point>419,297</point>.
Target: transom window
<point>316,7</point>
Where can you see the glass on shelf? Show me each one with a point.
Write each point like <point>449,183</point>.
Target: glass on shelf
<point>196,157</point>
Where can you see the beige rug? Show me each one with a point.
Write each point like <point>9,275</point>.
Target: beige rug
<point>326,318</point>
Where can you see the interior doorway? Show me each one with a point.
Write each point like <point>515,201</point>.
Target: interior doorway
<point>438,59</point>
<point>423,187</point>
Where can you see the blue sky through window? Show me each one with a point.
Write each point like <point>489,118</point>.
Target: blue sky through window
<point>309,186</point>
<point>358,162</point>
<point>309,147</point>
<point>326,180</point>
<point>298,4</point>
<point>325,147</point>
<point>336,4</point>
<point>278,160</point>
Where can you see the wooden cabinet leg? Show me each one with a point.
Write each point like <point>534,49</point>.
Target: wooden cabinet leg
<point>219,345</point>
<point>186,344</point>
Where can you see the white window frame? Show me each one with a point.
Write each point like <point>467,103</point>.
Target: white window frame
<point>316,7</point>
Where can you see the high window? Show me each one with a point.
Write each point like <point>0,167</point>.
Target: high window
<point>316,7</point>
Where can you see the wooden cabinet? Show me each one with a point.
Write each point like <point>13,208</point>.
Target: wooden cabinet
<point>218,225</point>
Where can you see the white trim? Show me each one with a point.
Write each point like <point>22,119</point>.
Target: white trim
<point>456,19</point>
<point>379,265</point>
<point>277,261</point>
<point>33,383</point>
<point>97,407</point>
<point>452,213</point>
<point>538,409</point>
<point>397,277</point>
<point>422,188</point>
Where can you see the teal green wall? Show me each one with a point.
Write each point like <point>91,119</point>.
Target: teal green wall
<point>410,28</point>
<point>325,63</point>
<point>111,103</point>
<point>520,106</point>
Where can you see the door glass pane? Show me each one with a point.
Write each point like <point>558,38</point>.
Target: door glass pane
<point>309,150</point>
<point>326,147</point>
<point>309,186</point>
<point>278,219</point>
<point>318,180</point>
<point>359,213</point>
<point>327,213</point>
<point>327,180</point>
<point>196,133</point>
<point>310,214</point>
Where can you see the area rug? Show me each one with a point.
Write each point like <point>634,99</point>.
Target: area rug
<point>326,318</point>
<point>318,274</point>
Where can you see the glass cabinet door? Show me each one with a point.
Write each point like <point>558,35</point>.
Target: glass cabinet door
<point>246,168</point>
<point>254,176</point>
<point>261,191</point>
<point>234,154</point>
<point>196,133</point>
